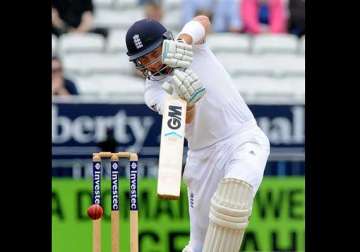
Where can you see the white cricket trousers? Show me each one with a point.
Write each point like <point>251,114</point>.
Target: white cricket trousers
<point>242,156</point>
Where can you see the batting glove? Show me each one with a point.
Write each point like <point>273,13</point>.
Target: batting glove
<point>176,54</point>
<point>186,85</point>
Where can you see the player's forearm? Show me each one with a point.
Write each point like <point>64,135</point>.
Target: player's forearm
<point>205,22</point>
<point>195,31</point>
<point>190,114</point>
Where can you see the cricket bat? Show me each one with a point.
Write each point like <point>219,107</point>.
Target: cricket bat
<point>171,148</point>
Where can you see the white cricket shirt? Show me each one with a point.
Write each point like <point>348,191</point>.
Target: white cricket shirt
<point>220,114</point>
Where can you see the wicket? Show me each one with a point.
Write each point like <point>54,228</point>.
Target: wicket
<point>133,165</point>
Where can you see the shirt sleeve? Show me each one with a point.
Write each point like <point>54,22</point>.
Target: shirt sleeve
<point>154,96</point>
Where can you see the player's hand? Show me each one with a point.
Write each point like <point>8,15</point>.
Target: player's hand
<point>176,54</point>
<point>186,85</point>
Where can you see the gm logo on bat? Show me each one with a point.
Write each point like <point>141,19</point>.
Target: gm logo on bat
<point>174,114</point>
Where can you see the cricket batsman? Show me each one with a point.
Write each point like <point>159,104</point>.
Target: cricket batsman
<point>227,151</point>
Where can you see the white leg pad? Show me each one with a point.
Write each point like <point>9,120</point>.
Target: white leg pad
<point>230,209</point>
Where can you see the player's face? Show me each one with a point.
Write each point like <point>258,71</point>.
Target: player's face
<point>152,60</point>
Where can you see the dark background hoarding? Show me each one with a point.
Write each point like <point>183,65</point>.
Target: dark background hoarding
<point>81,128</point>
<point>136,127</point>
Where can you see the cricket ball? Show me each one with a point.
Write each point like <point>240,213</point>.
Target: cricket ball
<point>95,211</point>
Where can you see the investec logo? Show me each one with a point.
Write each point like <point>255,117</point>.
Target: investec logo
<point>114,186</point>
<point>133,186</point>
<point>97,179</point>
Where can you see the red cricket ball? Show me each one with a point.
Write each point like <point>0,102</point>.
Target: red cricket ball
<point>95,211</point>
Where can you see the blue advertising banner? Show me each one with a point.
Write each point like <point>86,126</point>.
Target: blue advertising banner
<point>81,128</point>
<point>136,126</point>
<point>86,124</point>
